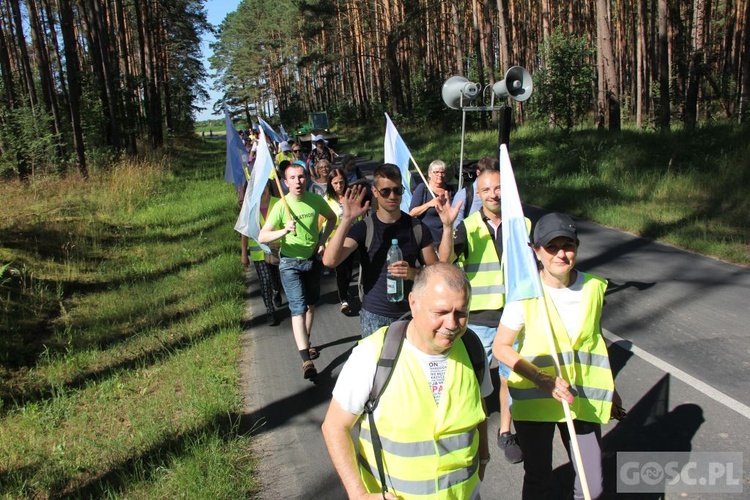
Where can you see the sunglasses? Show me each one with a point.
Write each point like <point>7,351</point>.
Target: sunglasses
<point>386,192</point>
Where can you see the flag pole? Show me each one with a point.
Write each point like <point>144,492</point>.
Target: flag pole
<point>566,407</point>
<point>426,184</point>
<point>283,199</point>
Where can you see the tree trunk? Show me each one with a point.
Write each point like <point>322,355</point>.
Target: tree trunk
<point>695,70</point>
<point>610,101</point>
<point>73,72</point>
<point>744,107</point>
<point>664,99</point>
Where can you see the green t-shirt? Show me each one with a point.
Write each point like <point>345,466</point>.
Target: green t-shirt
<point>305,211</point>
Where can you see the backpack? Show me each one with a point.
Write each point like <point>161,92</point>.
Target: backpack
<point>394,339</point>
<point>469,200</point>
<point>416,227</point>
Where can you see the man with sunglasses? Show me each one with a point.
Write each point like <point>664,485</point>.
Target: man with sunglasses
<point>388,222</point>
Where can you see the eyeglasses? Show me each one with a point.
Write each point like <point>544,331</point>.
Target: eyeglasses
<point>296,150</point>
<point>386,192</point>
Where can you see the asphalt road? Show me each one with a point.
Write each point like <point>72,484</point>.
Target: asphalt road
<point>680,349</point>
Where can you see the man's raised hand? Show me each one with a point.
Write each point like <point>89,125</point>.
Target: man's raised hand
<point>447,213</point>
<point>352,203</point>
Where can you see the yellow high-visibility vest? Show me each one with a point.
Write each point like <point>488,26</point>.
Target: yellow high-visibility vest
<point>482,267</point>
<point>584,361</point>
<point>429,451</point>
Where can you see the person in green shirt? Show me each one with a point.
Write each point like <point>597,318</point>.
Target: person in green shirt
<point>295,224</point>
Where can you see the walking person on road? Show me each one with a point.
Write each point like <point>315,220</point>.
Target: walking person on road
<point>478,248</point>
<point>572,308</point>
<point>266,265</point>
<point>335,193</point>
<point>430,418</point>
<point>295,223</point>
<point>386,224</point>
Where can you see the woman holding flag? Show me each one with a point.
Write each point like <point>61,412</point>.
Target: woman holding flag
<point>266,265</point>
<point>570,310</point>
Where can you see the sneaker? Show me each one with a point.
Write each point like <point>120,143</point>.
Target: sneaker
<point>509,444</point>
<point>344,307</point>
<point>308,370</point>
<point>277,298</point>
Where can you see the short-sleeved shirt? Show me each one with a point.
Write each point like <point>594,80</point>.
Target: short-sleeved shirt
<point>303,244</point>
<point>430,217</point>
<point>373,261</point>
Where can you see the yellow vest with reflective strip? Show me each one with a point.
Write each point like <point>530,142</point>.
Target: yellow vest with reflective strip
<point>256,253</point>
<point>482,267</point>
<point>429,451</point>
<point>584,361</point>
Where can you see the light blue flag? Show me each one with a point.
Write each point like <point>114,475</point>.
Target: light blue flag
<point>248,223</point>
<point>237,155</point>
<point>521,273</point>
<point>396,152</point>
<point>270,132</point>
<point>284,135</point>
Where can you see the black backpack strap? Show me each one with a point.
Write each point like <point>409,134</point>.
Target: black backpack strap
<point>369,232</point>
<point>476,352</point>
<point>416,229</point>
<point>468,200</point>
<point>394,339</point>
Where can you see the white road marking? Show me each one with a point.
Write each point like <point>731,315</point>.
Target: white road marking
<point>698,385</point>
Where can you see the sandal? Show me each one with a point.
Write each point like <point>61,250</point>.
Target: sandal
<point>313,352</point>
<point>308,370</point>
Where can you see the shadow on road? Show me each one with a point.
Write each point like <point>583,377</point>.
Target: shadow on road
<point>649,426</point>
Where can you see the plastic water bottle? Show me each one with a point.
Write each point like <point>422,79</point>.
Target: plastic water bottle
<point>394,285</point>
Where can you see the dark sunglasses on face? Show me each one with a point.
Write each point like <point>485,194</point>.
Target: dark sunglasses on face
<point>296,150</point>
<point>386,192</point>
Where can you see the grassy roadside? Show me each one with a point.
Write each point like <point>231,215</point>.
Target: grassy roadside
<point>689,190</point>
<point>119,333</point>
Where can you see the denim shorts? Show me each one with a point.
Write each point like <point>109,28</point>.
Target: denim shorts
<point>301,281</point>
<point>487,335</point>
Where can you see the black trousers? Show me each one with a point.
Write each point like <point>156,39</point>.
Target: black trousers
<point>535,439</point>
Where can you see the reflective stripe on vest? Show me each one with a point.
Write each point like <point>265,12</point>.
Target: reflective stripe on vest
<point>425,487</point>
<point>428,450</point>
<point>422,448</point>
<point>584,361</point>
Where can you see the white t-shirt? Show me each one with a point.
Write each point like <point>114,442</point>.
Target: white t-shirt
<point>567,301</point>
<point>354,384</point>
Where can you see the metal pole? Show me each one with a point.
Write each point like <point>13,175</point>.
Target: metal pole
<point>461,158</point>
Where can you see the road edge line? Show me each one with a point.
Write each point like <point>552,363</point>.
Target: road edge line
<point>697,384</point>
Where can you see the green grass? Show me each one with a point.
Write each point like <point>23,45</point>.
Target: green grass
<point>122,299</point>
<point>685,189</point>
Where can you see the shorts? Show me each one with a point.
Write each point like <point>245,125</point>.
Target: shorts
<point>301,281</point>
<point>370,323</point>
<point>487,335</point>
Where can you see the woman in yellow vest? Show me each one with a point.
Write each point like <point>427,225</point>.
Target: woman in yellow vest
<point>266,265</point>
<point>571,308</point>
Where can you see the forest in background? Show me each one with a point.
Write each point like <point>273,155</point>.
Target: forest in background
<point>647,62</point>
<point>89,80</point>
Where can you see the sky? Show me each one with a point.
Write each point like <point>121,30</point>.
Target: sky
<point>217,10</point>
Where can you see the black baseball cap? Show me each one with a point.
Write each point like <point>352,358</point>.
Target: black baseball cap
<point>552,226</point>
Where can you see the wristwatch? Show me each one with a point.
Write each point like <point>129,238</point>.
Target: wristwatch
<point>485,461</point>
